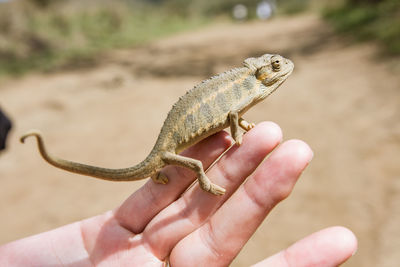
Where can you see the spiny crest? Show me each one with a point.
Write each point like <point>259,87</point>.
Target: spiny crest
<point>217,76</point>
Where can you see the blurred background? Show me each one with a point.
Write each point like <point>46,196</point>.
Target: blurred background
<point>98,78</point>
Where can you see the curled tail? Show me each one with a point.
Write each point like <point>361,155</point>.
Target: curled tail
<point>137,172</point>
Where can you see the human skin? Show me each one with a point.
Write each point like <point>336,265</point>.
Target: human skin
<point>187,226</point>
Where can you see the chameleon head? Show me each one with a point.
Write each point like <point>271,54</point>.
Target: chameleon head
<point>271,70</point>
<point>274,70</point>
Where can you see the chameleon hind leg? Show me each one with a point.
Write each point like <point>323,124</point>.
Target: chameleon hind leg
<point>197,167</point>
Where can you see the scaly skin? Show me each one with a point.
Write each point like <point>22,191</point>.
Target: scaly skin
<point>213,105</point>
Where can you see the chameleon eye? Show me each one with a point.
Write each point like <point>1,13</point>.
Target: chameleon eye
<point>276,63</point>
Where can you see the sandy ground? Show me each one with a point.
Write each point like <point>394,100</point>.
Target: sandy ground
<point>342,99</point>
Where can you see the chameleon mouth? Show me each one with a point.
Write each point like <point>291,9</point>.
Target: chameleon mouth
<point>276,79</point>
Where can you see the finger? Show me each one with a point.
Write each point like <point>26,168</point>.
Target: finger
<point>328,247</point>
<point>221,238</point>
<point>189,212</point>
<point>135,213</point>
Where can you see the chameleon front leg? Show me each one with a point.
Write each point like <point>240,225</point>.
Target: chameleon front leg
<point>197,167</point>
<point>234,126</point>
<point>235,120</point>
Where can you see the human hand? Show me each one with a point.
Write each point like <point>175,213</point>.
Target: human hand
<point>193,228</point>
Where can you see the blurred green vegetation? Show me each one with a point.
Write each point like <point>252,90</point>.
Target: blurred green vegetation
<point>369,20</point>
<point>292,7</point>
<point>45,35</point>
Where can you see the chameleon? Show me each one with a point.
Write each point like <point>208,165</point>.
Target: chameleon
<point>211,106</point>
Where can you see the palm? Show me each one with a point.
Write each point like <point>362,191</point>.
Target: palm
<point>192,228</point>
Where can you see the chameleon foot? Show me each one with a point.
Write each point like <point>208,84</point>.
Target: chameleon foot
<point>207,186</point>
<point>159,178</point>
<point>216,190</point>
<point>247,126</point>
<point>238,139</point>
<point>251,126</point>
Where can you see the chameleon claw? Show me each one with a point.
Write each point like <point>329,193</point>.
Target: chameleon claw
<point>239,140</point>
<point>216,190</point>
<point>249,126</point>
<point>160,178</point>
<point>207,186</point>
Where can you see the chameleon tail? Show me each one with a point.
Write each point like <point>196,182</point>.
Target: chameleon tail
<point>137,172</point>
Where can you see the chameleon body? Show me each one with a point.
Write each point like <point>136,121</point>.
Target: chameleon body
<point>213,105</point>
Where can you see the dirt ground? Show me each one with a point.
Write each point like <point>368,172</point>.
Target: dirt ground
<point>342,99</point>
